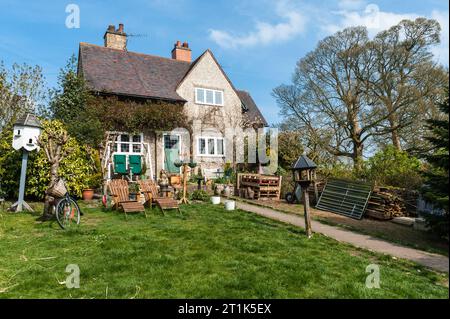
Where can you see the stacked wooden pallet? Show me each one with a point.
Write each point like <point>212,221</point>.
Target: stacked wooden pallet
<point>384,205</point>
<point>257,186</point>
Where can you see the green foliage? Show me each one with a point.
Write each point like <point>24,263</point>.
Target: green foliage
<point>338,170</point>
<point>228,169</point>
<point>69,104</point>
<point>222,180</point>
<point>289,148</point>
<point>391,167</point>
<point>200,194</point>
<point>10,161</point>
<point>79,168</point>
<point>437,176</point>
<point>133,188</point>
<point>131,116</point>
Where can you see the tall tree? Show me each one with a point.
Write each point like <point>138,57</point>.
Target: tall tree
<point>351,90</point>
<point>327,95</point>
<point>403,79</point>
<point>69,104</point>
<point>21,91</point>
<point>437,177</point>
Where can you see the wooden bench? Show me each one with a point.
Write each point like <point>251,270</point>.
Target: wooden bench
<point>148,187</point>
<point>119,190</point>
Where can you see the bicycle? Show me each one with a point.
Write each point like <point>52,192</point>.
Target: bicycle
<point>67,211</point>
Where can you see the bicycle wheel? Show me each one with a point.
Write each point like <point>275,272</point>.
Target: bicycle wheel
<point>67,213</point>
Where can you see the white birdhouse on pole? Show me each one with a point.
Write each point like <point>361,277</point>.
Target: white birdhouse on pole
<point>26,133</point>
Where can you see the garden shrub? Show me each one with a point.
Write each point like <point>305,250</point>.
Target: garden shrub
<point>200,194</point>
<point>10,161</point>
<point>392,167</point>
<point>341,171</point>
<point>79,169</point>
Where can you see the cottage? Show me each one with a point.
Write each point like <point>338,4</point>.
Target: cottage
<point>200,87</point>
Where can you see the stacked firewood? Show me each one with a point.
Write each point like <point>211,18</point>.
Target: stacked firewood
<point>385,204</point>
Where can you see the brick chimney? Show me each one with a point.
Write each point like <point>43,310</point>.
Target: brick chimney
<point>116,39</point>
<point>181,52</point>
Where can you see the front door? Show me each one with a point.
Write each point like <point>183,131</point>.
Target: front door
<point>171,152</point>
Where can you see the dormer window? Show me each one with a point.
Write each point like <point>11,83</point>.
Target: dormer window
<point>208,96</point>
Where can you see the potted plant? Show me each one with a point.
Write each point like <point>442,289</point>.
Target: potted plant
<point>192,164</point>
<point>133,189</point>
<point>92,182</point>
<point>178,163</point>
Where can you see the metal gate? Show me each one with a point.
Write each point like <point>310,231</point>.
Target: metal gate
<point>345,198</point>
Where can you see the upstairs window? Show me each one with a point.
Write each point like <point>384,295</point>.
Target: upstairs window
<point>208,96</point>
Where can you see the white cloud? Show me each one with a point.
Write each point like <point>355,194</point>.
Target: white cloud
<point>264,33</point>
<point>376,20</point>
<point>441,51</point>
<point>371,17</point>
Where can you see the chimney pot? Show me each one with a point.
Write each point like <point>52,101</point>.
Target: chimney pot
<point>115,39</point>
<point>181,52</point>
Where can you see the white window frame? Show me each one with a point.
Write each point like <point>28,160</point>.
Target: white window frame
<point>130,142</point>
<point>214,96</point>
<point>215,138</point>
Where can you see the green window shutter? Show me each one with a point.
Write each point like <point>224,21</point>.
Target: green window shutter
<point>120,164</point>
<point>135,164</point>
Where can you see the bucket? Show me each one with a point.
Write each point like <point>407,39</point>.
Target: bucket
<point>230,205</point>
<point>215,200</point>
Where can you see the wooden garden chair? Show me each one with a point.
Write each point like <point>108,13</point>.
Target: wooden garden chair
<point>151,195</point>
<point>119,191</point>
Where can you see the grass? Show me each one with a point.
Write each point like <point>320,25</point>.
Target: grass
<point>399,234</point>
<point>208,253</point>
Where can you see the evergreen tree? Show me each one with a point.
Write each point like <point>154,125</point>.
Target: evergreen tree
<point>437,176</point>
<point>69,104</point>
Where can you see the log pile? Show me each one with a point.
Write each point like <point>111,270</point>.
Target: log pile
<point>385,204</point>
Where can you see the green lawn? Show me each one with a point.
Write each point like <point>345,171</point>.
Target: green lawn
<point>210,253</point>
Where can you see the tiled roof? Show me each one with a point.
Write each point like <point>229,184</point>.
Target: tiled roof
<point>251,111</point>
<point>141,75</point>
<point>128,73</point>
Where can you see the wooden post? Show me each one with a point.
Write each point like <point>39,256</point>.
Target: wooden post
<point>184,200</point>
<point>21,204</point>
<point>306,210</point>
<point>316,192</point>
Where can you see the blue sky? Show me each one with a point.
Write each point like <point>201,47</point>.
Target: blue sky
<point>256,42</point>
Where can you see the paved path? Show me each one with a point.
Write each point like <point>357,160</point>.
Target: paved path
<point>434,261</point>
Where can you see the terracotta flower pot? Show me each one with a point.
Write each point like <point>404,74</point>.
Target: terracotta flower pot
<point>88,194</point>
